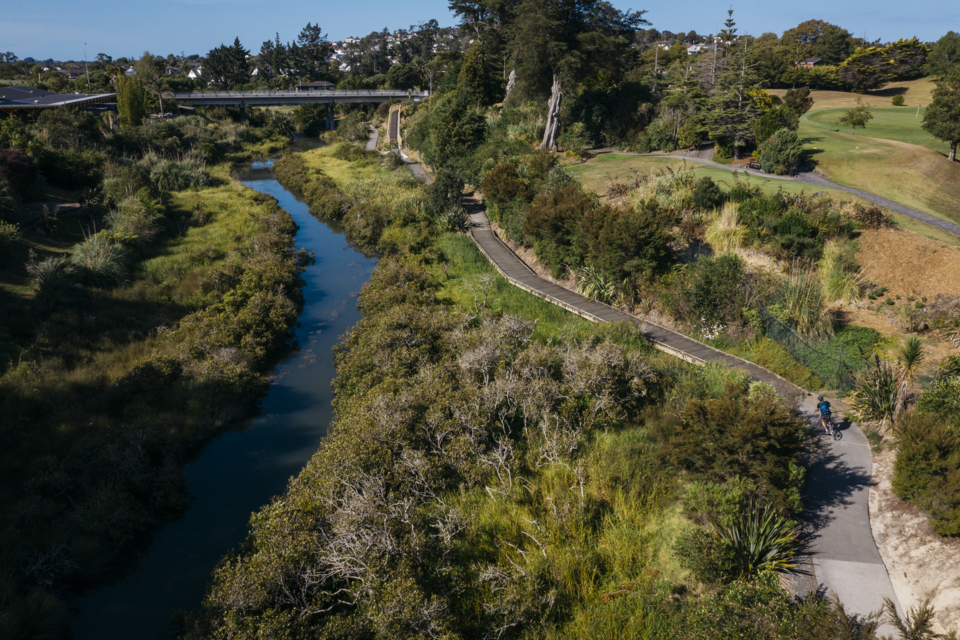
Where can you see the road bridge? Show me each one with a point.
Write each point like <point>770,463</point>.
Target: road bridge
<point>244,99</point>
<point>282,98</point>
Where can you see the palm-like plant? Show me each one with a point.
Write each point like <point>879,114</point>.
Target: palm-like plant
<point>910,356</point>
<point>759,539</point>
<point>875,394</point>
<point>53,279</point>
<point>915,625</point>
<point>593,284</point>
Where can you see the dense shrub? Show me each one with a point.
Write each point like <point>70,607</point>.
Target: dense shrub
<point>707,194</point>
<point>780,153</point>
<point>19,171</point>
<point>71,169</point>
<point>503,184</point>
<point>627,243</point>
<point>756,439</point>
<point>445,192</point>
<point>553,225</point>
<point>712,293</point>
<point>353,153</point>
<point>927,470</point>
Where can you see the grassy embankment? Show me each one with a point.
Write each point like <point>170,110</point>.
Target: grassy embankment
<point>539,540</point>
<point>108,388</point>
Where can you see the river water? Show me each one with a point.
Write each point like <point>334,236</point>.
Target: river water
<point>242,470</point>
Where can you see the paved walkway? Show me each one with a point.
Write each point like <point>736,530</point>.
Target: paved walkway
<point>818,181</point>
<point>844,556</point>
<point>372,140</point>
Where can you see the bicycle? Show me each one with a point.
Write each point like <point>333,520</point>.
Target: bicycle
<point>826,421</point>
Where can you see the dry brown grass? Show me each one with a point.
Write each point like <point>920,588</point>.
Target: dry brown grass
<point>914,92</point>
<point>909,264</point>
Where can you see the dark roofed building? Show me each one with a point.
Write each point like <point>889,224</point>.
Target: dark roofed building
<point>810,62</point>
<point>29,99</point>
<point>319,85</point>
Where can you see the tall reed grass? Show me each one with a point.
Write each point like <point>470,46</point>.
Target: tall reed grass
<point>725,234</point>
<point>803,301</point>
<point>840,277</point>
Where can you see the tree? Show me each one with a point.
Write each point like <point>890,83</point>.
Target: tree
<point>872,67</point>
<point>856,117</point>
<point>819,39</point>
<point>781,153</point>
<point>944,56</point>
<point>942,118</point>
<point>554,46</point>
<point>314,49</point>
<point>131,100</point>
<point>798,101</point>
<point>226,66</point>
<point>733,108</point>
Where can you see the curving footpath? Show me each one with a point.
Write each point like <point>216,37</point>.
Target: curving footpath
<point>817,181</point>
<point>843,554</point>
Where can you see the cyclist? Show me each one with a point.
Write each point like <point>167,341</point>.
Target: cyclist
<point>824,408</point>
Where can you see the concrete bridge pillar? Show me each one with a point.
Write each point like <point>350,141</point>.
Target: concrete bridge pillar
<point>243,113</point>
<point>331,121</point>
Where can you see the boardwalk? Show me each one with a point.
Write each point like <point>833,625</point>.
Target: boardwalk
<point>844,556</point>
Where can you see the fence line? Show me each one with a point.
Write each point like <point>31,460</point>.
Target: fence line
<point>832,364</point>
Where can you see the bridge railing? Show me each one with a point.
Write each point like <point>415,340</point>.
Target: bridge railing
<point>321,93</point>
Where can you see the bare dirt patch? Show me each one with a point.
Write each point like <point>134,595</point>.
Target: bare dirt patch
<point>921,563</point>
<point>908,264</point>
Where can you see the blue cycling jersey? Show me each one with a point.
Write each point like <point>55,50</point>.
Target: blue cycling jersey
<point>824,408</point>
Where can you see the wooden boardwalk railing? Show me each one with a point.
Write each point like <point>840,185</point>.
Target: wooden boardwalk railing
<point>519,274</point>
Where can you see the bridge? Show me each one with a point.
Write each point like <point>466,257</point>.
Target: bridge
<point>244,99</point>
<point>281,98</point>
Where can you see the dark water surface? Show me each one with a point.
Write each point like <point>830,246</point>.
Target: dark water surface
<point>242,470</point>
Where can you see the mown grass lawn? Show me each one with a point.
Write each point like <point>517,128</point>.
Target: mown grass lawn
<point>904,172</point>
<point>598,173</point>
<point>889,123</point>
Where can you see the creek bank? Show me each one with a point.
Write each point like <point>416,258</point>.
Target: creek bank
<point>244,469</point>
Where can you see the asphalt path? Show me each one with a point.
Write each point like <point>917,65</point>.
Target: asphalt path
<point>372,140</point>
<point>843,554</point>
<point>814,180</point>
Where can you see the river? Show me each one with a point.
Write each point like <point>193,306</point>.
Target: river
<point>240,471</point>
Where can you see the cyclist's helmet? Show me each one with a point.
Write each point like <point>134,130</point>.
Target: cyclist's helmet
<point>819,397</point>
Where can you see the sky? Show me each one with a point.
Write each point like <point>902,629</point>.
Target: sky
<point>58,29</point>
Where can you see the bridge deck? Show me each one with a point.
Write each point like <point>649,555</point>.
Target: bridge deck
<point>279,98</point>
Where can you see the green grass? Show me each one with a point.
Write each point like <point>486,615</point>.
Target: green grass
<point>468,267</point>
<point>181,264</point>
<point>893,168</point>
<point>890,123</point>
<point>598,173</point>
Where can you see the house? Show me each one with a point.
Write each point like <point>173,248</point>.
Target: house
<point>810,63</point>
<point>194,74</point>
<point>694,49</point>
<point>319,85</point>
<point>172,71</point>
<point>73,74</point>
